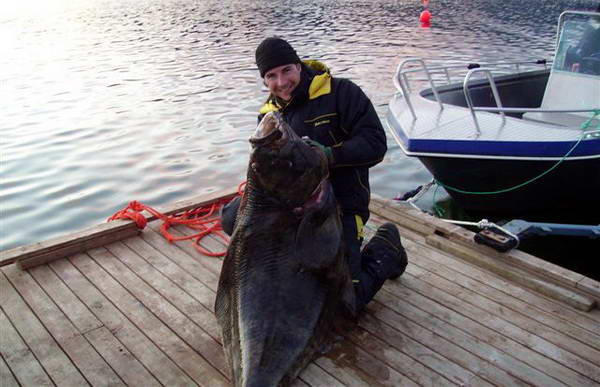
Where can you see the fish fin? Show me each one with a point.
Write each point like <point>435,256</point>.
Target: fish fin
<point>318,240</point>
<point>229,215</point>
<point>227,318</point>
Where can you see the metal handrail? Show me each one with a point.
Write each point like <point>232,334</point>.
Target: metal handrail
<point>501,109</point>
<point>465,66</point>
<point>467,93</point>
<point>402,82</point>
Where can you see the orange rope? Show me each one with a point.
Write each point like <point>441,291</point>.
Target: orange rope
<point>201,219</point>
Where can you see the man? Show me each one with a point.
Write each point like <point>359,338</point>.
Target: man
<point>339,119</point>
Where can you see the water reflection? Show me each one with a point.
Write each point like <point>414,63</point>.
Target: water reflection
<point>106,101</point>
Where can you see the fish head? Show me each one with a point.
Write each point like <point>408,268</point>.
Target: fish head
<point>282,164</point>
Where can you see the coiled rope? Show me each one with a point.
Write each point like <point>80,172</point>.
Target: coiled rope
<point>201,219</point>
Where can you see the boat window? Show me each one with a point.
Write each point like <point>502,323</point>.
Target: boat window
<point>579,47</point>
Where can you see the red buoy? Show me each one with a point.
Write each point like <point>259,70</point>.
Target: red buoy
<point>425,17</point>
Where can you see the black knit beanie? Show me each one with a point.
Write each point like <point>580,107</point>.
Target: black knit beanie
<point>273,52</point>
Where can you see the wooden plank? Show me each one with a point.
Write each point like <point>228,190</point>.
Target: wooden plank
<point>354,367</point>
<point>68,242</point>
<point>88,239</point>
<point>171,291</point>
<point>65,299</point>
<point>58,366</point>
<point>506,294</point>
<point>398,360</point>
<point>400,212</point>
<point>521,259</point>
<point>212,263</point>
<point>412,218</point>
<point>177,265</point>
<point>432,350</point>
<point>95,370</point>
<point>346,374</point>
<point>416,224</point>
<point>19,358</point>
<point>510,338</point>
<point>426,359</point>
<point>174,333</point>
<point>184,256</point>
<point>585,320</point>
<point>408,305</point>
<point>299,383</point>
<point>314,375</point>
<point>517,325</point>
<point>534,264</point>
<point>120,359</point>
<point>7,379</point>
<point>547,309</point>
<point>516,275</point>
<point>589,286</point>
<point>161,366</point>
<point>63,246</point>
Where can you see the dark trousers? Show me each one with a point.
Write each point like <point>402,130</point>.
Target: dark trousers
<point>368,273</point>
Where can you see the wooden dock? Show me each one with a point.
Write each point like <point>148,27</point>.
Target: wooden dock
<point>114,306</point>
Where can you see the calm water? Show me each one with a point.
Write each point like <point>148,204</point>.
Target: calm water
<point>107,101</point>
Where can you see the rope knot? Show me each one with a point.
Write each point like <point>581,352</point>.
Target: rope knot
<point>136,206</point>
<point>139,219</point>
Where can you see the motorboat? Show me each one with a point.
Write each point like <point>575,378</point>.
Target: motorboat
<point>511,138</point>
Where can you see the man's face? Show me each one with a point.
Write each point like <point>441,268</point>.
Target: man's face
<point>282,80</point>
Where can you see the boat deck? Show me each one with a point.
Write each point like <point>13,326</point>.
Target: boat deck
<point>416,137</point>
<point>139,311</point>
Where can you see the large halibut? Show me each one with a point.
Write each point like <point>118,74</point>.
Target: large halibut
<point>284,280</point>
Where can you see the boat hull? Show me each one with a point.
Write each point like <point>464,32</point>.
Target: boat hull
<point>572,186</point>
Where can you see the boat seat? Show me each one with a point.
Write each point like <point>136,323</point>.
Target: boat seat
<point>568,90</point>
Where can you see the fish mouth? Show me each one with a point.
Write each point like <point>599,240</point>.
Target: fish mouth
<point>269,132</point>
<point>317,197</point>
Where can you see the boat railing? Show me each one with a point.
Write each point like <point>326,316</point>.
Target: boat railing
<point>499,108</point>
<point>403,82</point>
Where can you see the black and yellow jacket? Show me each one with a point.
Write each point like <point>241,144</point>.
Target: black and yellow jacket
<point>336,113</point>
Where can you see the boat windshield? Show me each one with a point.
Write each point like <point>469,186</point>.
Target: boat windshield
<point>579,46</point>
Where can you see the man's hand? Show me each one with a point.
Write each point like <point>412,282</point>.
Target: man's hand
<point>321,147</point>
